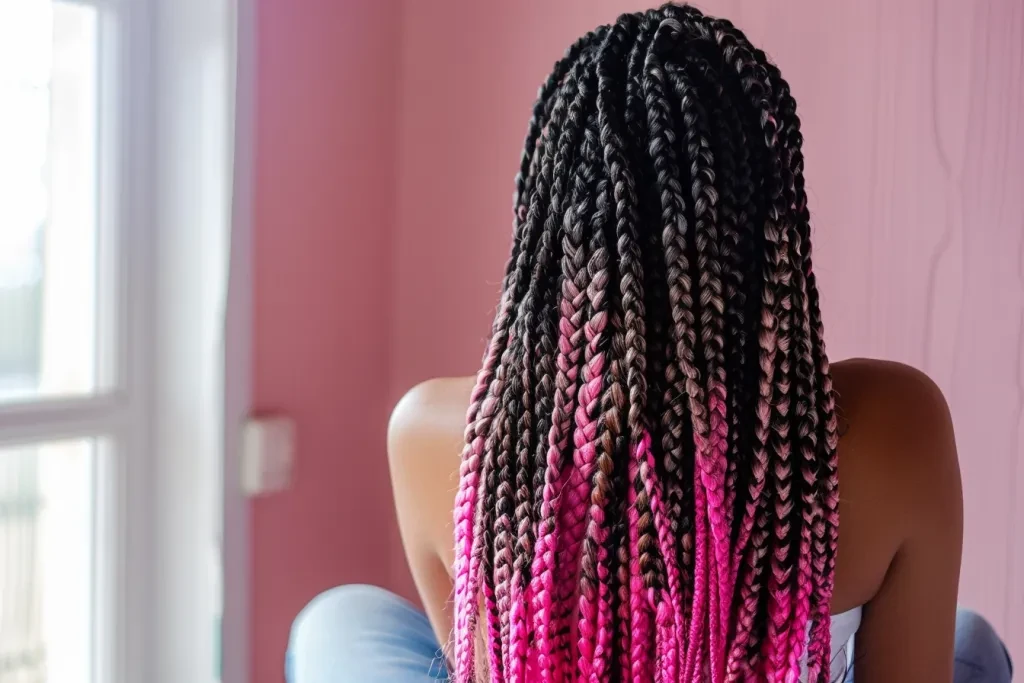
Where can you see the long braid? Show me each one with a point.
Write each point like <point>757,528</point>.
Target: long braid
<point>818,429</point>
<point>657,559</point>
<point>775,297</point>
<point>514,472</point>
<point>731,173</point>
<point>770,434</point>
<point>561,138</point>
<point>496,454</point>
<point>677,251</point>
<point>599,437</point>
<point>527,239</point>
<point>571,517</point>
<point>663,471</point>
<point>738,213</point>
<point>515,451</point>
<point>584,432</point>
<point>799,353</point>
<point>503,541</point>
<point>468,539</point>
<point>630,270</point>
<point>649,485</point>
<point>805,419</point>
<point>680,373</point>
<point>712,301</point>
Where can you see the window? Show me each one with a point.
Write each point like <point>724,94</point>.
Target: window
<point>71,417</point>
<point>47,503</point>
<point>49,240</point>
<point>116,142</point>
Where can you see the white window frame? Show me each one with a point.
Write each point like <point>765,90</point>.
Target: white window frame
<point>120,413</point>
<point>203,54</point>
<point>238,354</point>
<point>182,339</point>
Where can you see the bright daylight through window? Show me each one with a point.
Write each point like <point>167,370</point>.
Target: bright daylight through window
<point>51,344</point>
<point>116,140</point>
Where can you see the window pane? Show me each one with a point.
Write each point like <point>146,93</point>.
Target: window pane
<point>46,551</point>
<point>48,199</point>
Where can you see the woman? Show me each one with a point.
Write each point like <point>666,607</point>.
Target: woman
<point>650,486</point>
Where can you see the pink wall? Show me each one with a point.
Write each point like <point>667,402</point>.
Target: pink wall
<point>379,255</point>
<point>324,219</point>
<point>916,159</point>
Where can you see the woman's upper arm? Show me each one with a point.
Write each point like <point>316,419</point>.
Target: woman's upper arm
<point>423,452</point>
<point>908,629</point>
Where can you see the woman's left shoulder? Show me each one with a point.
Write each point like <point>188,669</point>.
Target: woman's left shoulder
<point>900,434</point>
<point>895,402</point>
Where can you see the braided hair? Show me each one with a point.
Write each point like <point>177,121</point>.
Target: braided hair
<point>649,491</point>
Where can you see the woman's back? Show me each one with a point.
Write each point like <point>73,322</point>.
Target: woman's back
<point>899,546</point>
<point>649,486</point>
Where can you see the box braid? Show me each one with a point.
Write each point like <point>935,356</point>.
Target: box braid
<point>648,491</point>
<point>633,652</point>
<point>471,511</point>
<point>825,526</point>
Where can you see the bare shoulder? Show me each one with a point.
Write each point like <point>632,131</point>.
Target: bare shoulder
<point>885,385</point>
<point>433,409</point>
<point>901,519</point>
<point>898,469</point>
<point>896,412</point>
<point>425,438</point>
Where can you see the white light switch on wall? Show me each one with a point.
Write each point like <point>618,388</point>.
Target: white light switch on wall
<point>268,451</point>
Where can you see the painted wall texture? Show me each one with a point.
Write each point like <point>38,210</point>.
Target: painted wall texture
<point>388,134</point>
<point>324,221</point>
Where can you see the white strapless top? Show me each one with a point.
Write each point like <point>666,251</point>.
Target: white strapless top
<point>844,627</point>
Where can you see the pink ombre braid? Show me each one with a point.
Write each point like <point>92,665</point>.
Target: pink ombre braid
<point>649,485</point>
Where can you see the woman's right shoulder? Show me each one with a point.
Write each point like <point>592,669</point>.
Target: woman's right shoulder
<point>425,439</point>
<point>425,432</point>
<point>432,409</point>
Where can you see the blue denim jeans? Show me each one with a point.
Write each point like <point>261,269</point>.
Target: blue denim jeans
<point>368,635</point>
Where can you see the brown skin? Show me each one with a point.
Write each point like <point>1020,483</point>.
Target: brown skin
<point>901,511</point>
